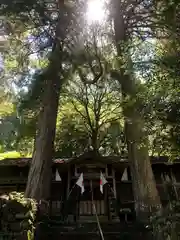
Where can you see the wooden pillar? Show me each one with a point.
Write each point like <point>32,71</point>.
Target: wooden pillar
<point>92,197</point>
<point>51,195</point>
<point>78,204</point>
<point>106,170</point>
<point>106,202</point>
<point>75,211</point>
<point>114,183</point>
<point>17,187</point>
<point>68,182</point>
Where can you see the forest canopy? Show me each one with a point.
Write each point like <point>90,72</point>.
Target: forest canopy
<point>27,36</point>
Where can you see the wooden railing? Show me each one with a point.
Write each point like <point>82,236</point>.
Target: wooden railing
<point>14,180</point>
<point>56,207</point>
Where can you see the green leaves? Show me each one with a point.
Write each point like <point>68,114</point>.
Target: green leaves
<point>86,110</point>
<point>87,115</point>
<point>167,223</point>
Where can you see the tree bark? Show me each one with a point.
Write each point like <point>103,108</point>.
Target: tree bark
<point>146,196</point>
<point>94,140</point>
<point>39,178</point>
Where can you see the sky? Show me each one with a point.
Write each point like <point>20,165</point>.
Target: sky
<point>96,11</point>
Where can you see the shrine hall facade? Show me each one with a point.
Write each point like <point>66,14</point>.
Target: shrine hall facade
<point>65,173</point>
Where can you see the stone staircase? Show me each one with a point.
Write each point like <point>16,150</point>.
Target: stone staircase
<point>89,231</point>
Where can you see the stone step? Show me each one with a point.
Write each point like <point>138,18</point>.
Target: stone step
<point>90,231</point>
<point>92,236</point>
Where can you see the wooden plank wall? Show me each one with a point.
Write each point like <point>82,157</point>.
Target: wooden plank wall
<point>86,207</point>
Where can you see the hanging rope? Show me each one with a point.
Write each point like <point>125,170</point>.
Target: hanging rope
<point>99,226</point>
<point>97,219</point>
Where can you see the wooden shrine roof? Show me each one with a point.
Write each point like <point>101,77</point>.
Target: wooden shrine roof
<point>25,161</point>
<point>85,158</point>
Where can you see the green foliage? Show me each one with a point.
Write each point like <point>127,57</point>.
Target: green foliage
<point>12,154</point>
<point>71,136</point>
<point>26,202</point>
<point>6,108</point>
<point>18,210</point>
<point>90,116</point>
<point>167,224</point>
<point>16,133</point>
<point>31,28</point>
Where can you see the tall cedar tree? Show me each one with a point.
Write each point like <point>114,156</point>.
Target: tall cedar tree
<point>35,15</point>
<point>146,196</point>
<point>39,178</point>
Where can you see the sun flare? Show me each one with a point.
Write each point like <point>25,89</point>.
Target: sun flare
<point>95,11</point>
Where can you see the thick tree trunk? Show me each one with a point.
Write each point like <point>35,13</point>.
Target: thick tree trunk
<point>39,178</point>
<point>94,141</point>
<point>146,196</point>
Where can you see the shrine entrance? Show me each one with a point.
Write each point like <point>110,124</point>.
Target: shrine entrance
<point>92,203</point>
<point>92,195</point>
